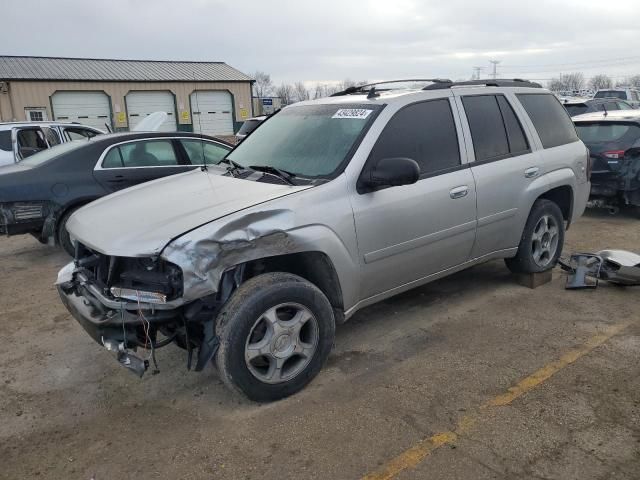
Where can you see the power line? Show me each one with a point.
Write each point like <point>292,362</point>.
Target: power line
<point>589,62</point>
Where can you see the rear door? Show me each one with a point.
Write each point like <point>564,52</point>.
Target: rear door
<point>504,164</point>
<point>139,161</point>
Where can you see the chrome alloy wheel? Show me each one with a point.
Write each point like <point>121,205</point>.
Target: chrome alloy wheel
<point>281,343</point>
<point>544,241</point>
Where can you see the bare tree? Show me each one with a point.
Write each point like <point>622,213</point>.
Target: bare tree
<point>300,92</point>
<point>567,81</point>
<point>632,81</point>
<point>286,93</point>
<point>263,87</point>
<point>598,82</point>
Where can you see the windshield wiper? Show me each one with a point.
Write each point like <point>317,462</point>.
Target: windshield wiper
<point>277,172</point>
<point>233,166</point>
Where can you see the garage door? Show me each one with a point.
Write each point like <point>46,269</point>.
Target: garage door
<point>88,108</point>
<point>212,113</point>
<point>141,104</point>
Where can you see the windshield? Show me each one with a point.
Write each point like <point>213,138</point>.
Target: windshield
<point>611,94</point>
<point>51,153</point>
<point>308,141</point>
<point>606,132</point>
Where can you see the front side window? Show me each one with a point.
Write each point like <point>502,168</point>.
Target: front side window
<point>248,127</point>
<point>149,153</point>
<point>309,141</point>
<point>424,132</point>
<point>204,153</point>
<point>553,124</point>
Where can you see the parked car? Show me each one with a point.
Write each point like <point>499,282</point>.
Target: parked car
<point>39,194</point>
<point>614,143</point>
<point>249,126</point>
<point>332,205</point>
<point>578,106</point>
<point>630,94</point>
<point>21,140</point>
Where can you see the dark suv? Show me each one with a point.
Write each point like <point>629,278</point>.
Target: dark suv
<point>614,142</point>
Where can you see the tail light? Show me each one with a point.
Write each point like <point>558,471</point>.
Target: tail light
<point>589,167</point>
<point>614,154</point>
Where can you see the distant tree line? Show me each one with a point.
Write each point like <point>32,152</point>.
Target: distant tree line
<point>577,81</point>
<point>298,91</point>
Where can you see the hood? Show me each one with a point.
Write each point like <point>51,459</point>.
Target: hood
<point>140,221</point>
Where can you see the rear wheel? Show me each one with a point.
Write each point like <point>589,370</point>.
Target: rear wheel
<point>276,332</point>
<point>542,239</point>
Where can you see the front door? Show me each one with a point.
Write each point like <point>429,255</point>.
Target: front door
<point>409,232</point>
<point>139,161</point>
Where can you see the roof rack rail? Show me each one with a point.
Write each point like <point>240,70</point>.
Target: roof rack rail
<point>361,88</point>
<point>511,82</point>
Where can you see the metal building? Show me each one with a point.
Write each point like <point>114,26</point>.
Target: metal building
<point>208,97</point>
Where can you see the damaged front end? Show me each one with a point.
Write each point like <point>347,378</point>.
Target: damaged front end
<point>126,304</point>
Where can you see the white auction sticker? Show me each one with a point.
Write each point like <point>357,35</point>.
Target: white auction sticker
<point>352,113</point>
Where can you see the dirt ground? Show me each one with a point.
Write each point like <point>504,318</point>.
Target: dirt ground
<point>401,372</point>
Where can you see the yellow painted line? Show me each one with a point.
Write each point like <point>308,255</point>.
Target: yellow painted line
<point>421,450</point>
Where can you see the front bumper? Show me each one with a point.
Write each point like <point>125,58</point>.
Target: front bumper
<point>104,318</point>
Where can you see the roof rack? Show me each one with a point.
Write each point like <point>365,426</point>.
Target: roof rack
<point>512,82</point>
<point>362,88</point>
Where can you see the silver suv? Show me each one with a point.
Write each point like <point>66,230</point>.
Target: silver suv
<point>330,206</point>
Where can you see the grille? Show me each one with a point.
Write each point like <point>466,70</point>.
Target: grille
<point>27,212</point>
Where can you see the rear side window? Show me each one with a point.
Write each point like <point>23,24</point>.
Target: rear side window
<point>424,132</point>
<point>154,153</point>
<point>576,108</point>
<point>550,119</point>
<point>5,140</point>
<point>495,129</point>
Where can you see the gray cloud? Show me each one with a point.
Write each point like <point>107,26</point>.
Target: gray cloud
<point>333,40</point>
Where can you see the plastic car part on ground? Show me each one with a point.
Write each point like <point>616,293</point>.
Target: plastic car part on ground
<point>615,266</point>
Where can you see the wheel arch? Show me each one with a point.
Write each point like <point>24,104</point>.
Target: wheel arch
<point>60,214</point>
<point>314,266</point>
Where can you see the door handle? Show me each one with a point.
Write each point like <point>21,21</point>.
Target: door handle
<point>531,172</point>
<point>459,192</point>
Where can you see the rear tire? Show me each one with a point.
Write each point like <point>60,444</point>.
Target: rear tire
<point>62,235</point>
<point>276,332</point>
<point>542,239</point>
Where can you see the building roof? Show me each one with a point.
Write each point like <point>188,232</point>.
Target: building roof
<point>93,69</point>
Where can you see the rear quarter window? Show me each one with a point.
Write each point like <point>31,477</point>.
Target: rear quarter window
<point>549,117</point>
<point>5,140</point>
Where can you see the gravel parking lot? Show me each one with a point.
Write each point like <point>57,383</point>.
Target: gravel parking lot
<point>472,376</point>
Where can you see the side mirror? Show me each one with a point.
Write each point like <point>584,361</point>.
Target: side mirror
<point>390,172</point>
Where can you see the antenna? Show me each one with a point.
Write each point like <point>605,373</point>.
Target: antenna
<point>204,160</point>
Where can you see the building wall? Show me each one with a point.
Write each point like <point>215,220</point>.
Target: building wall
<point>24,94</point>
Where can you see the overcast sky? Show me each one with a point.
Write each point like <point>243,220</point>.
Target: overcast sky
<point>330,40</point>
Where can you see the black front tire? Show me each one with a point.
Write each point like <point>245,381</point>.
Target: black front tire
<point>62,235</point>
<point>237,319</point>
<point>524,261</point>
